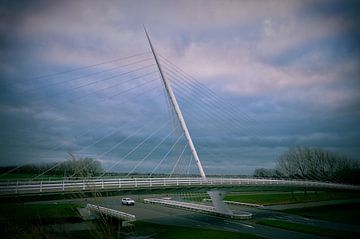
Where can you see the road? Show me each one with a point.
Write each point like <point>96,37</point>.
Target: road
<point>178,217</point>
<point>172,216</point>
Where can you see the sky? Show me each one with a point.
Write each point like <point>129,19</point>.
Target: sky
<point>267,76</point>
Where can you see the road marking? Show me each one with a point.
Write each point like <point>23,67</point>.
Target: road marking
<point>246,225</point>
<point>238,223</point>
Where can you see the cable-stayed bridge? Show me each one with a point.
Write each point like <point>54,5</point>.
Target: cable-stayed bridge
<point>181,156</point>
<point>90,185</point>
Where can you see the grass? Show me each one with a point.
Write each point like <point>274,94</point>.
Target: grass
<point>343,213</point>
<point>38,211</point>
<point>289,197</point>
<point>309,229</point>
<point>157,231</point>
<point>31,220</point>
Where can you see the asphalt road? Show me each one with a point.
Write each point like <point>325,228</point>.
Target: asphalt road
<point>172,216</point>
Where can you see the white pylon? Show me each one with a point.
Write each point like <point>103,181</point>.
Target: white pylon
<point>177,110</point>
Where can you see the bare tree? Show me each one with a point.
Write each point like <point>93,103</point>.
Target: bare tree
<point>317,164</point>
<point>82,167</point>
<point>266,173</point>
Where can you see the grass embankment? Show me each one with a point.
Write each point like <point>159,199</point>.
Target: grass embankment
<point>343,213</point>
<point>309,229</point>
<point>42,212</point>
<point>157,231</point>
<point>33,220</point>
<point>289,197</point>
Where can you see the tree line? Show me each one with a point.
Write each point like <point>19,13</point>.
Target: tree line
<point>73,167</point>
<point>313,164</point>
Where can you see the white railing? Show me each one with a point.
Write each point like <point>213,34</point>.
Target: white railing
<point>198,208</point>
<point>91,184</point>
<point>111,212</point>
<point>192,206</point>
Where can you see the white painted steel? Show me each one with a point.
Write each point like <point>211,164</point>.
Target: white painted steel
<point>194,206</point>
<point>177,110</point>
<point>113,184</point>
<point>111,212</point>
<point>197,207</point>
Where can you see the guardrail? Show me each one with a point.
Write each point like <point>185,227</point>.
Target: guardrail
<point>111,212</point>
<point>197,208</point>
<point>239,203</point>
<point>191,206</point>
<point>71,186</point>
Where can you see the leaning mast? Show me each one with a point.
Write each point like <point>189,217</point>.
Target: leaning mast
<point>177,109</point>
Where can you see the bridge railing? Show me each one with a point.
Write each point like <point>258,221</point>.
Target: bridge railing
<point>58,186</point>
<point>111,212</point>
<point>197,207</point>
<point>192,206</point>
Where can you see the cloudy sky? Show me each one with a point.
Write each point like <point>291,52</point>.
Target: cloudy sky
<point>78,76</point>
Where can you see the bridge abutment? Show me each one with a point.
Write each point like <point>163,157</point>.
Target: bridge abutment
<point>217,198</point>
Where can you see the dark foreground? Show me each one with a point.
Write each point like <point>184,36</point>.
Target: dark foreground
<point>60,219</point>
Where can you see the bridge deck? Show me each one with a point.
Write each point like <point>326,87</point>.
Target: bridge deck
<point>83,185</point>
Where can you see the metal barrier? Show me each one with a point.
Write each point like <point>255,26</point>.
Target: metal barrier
<point>197,208</point>
<point>191,206</point>
<point>111,212</point>
<point>239,203</point>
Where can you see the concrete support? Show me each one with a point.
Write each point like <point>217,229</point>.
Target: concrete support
<point>217,198</point>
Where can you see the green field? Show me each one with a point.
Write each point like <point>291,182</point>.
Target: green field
<point>36,211</point>
<point>309,229</point>
<point>273,198</point>
<point>32,220</point>
<point>25,215</point>
<point>344,213</point>
<point>157,231</point>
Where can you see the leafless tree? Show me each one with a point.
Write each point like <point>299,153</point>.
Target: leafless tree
<point>317,164</point>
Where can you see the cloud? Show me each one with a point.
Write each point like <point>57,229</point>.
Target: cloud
<point>289,66</point>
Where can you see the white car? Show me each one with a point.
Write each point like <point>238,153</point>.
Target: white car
<point>127,201</point>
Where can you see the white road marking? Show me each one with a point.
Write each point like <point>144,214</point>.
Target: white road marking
<point>239,223</point>
<point>246,225</point>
